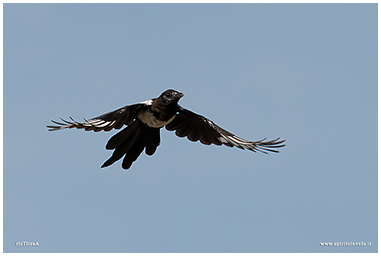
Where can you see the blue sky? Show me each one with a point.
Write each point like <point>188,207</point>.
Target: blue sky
<point>304,72</point>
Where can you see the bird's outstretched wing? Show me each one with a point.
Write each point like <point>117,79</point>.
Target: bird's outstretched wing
<point>197,127</point>
<point>114,119</point>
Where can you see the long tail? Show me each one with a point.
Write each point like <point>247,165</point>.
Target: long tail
<point>131,142</point>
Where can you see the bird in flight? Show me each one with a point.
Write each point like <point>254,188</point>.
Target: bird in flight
<point>144,121</point>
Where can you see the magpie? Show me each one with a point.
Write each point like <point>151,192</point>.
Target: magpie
<point>144,121</point>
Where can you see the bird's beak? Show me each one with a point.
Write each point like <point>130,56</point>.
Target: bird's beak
<point>180,95</point>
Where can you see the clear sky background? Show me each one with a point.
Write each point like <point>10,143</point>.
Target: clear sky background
<point>304,72</point>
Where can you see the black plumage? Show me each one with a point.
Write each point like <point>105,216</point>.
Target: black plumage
<point>144,121</point>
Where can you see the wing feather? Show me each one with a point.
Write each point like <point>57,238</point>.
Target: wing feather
<point>197,127</point>
<point>106,122</point>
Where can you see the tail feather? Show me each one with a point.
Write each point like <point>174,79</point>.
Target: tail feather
<point>122,149</point>
<point>135,150</point>
<point>131,142</point>
<point>116,140</point>
<point>153,141</point>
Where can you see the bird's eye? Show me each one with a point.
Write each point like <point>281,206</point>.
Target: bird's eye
<point>167,96</point>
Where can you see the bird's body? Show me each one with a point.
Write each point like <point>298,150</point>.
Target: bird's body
<point>144,121</point>
<point>155,120</point>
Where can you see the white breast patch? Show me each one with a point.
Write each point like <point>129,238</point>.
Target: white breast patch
<point>149,119</point>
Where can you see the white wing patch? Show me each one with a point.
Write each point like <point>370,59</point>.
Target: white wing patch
<point>98,123</point>
<point>147,102</point>
<point>95,124</point>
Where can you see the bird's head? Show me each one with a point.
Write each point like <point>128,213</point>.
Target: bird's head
<point>170,96</point>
